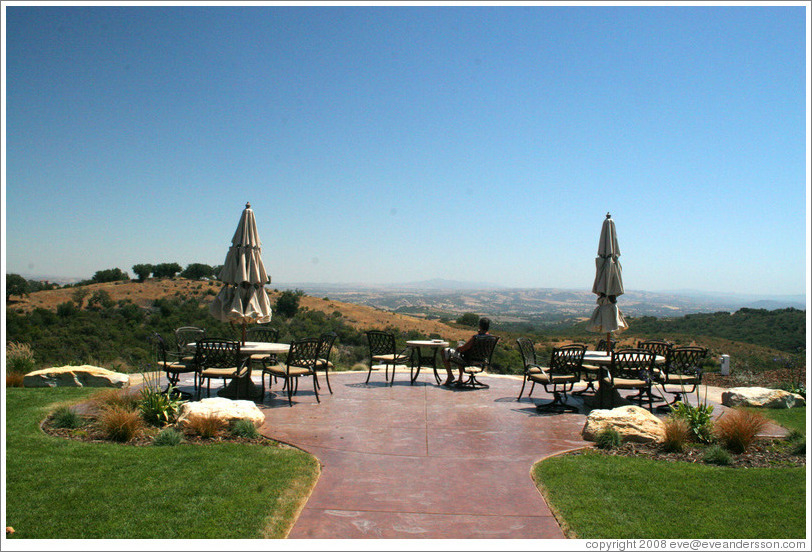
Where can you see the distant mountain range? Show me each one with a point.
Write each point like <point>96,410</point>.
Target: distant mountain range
<point>448,298</point>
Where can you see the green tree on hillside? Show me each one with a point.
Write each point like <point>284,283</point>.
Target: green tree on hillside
<point>166,270</point>
<point>142,271</point>
<point>196,271</point>
<point>109,275</point>
<point>16,285</point>
<point>287,304</point>
<point>469,319</point>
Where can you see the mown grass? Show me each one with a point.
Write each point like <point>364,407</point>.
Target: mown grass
<point>790,418</point>
<point>613,497</point>
<point>59,488</point>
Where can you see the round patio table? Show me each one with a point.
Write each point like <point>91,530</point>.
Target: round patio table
<point>244,387</point>
<point>417,346</point>
<point>604,359</point>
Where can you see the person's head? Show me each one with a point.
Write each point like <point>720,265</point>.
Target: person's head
<point>484,324</point>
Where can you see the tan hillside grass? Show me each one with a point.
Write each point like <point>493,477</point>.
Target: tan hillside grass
<point>144,293</point>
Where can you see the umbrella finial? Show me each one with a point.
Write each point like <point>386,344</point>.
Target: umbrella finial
<point>247,205</point>
<point>608,216</point>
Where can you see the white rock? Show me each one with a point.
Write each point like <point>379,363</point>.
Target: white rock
<point>634,424</point>
<point>225,409</point>
<point>758,397</point>
<point>76,376</point>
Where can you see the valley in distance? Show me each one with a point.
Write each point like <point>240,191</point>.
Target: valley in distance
<point>449,299</point>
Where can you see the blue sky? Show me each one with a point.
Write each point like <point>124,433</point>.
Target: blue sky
<point>395,143</point>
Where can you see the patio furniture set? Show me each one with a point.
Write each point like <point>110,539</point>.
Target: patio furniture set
<point>674,368</point>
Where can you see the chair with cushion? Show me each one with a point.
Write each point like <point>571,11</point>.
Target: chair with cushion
<point>528,351</point>
<point>172,365</point>
<point>183,337</point>
<point>300,362</point>
<point>683,367</point>
<point>563,372</point>
<point>220,359</point>
<point>477,360</point>
<point>631,369</point>
<point>323,363</point>
<point>382,351</point>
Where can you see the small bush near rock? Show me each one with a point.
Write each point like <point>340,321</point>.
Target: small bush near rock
<point>120,424</point>
<point>168,437</point>
<point>67,417</point>
<point>736,430</point>
<point>715,454</point>
<point>206,426</point>
<point>677,434</point>
<point>245,429</point>
<point>608,439</point>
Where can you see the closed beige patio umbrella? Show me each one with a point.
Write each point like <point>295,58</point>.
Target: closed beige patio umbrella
<point>608,284</point>
<point>243,298</point>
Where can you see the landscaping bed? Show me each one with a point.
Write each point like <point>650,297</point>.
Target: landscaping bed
<point>772,453</point>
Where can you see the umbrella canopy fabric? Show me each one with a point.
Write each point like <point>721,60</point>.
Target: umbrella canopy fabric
<point>608,282</point>
<point>243,298</point>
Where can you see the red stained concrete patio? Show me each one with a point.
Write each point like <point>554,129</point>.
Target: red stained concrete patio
<point>422,461</point>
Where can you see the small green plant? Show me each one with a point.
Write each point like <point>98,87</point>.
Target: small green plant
<point>168,437</point>
<point>244,428</point>
<point>67,417</point>
<point>156,407</point>
<point>715,454</point>
<point>738,429</point>
<point>119,424</point>
<point>699,419</point>
<point>608,439</point>
<point>677,434</point>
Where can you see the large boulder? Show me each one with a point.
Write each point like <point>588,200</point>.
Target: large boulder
<point>76,376</point>
<point>761,397</point>
<point>634,424</point>
<point>225,409</point>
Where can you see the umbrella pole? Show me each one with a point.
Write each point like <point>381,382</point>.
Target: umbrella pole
<point>243,333</point>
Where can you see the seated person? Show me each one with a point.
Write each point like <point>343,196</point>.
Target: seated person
<point>456,355</point>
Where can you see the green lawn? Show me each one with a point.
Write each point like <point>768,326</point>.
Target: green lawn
<point>58,488</point>
<point>599,496</point>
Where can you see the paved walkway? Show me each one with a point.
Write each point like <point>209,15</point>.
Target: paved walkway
<point>423,461</point>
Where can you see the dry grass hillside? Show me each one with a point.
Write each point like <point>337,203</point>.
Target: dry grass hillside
<point>144,293</point>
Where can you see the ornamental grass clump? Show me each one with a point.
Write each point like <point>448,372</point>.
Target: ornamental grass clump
<point>119,424</point>
<point>206,426</point>
<point>715,454</point>
<point>19,362</point>
<point>699,419</point>
<point>245,429</point>
<point>119,398</point>
<point>736,430</point>
<point>608,439</point>
<point>168,437</point>
<point>67,418</point>
<point>677,434</point>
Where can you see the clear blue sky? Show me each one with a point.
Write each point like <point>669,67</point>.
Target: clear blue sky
<point>395,143</point>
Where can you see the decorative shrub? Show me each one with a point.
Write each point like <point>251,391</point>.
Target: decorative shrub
<point>677,434</point>
<point>119,424</point>
<point>244,428</point>
<point>206,426</point>
<point>715,454</point>
<point>168,437</point>
<point>67,417</point>
<point>737,429</point>
<point>608,439</point>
